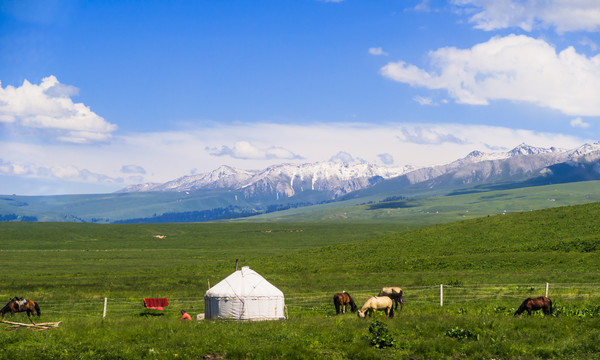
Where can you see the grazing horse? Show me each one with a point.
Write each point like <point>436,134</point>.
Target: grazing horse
<point>394,293</point>
<point>376,303</point>
<point>534,304</point>
<point>20,305</point>
<point>341,300</point>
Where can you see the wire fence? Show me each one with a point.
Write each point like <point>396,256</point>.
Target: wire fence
<point>432,295</point>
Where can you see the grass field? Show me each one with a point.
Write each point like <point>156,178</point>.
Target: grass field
<point>430,209</point>
<point>488,265</point>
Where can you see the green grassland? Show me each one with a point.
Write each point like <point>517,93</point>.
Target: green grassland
<point>418,205</point>
<point>440,207</point>
<point>488,265</point>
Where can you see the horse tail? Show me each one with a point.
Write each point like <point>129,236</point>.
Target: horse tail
<point>37,309</point>
<point>353,306</point>
<point>401,300</point>
<point>549,306</point>
<point>392,312</point>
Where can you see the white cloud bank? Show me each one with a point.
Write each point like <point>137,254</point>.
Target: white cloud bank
<point>563,15</point>
<point>48,108</point>
<point>58,172</point>
<point>164,156</point>
<point>514,67</point>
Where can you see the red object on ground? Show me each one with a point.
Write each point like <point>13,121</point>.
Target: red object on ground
<point>157,304</point>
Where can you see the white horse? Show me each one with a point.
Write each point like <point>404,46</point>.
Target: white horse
<point>376,303</point>
<point>394,293</point>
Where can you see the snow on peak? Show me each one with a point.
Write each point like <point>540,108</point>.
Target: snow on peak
<point>524,149</point>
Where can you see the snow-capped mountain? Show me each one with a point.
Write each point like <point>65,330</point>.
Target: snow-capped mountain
<point>338,179</point>
<point>224,177</point>
<point>283,180</point>
<point>521,161</point>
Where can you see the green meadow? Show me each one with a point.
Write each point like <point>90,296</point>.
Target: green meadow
<point>427,207</point>
<point>487,265</point>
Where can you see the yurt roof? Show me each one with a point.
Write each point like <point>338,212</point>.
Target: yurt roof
<point>244,283</point>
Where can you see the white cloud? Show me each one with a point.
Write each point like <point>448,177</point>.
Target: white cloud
<point>386,159</point>
<point>245,150</point>
<point>132,169</point>
<point>563,15</point>
<point>422,6</point>
<point>588,42</point>
<point>377,51</point>
<point>49,110</point>
<point>515,67</point>
<point>423,100</point>
<point>577,122</point>
<point>60,172</point>
<point>421,135</point>
<point>343,157</point>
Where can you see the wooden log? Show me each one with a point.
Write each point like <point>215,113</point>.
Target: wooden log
<point>53,324</point>
<point>40,326</point>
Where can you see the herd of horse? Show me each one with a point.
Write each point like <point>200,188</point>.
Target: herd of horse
<point>390,296</point>
<point>387,300</point>
<point>384,301</point>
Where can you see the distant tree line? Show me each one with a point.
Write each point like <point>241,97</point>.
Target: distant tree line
<point>15,217</point>
<point>230,212</point>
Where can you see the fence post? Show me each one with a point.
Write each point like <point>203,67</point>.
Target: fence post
<point>104,312</point>
<point>441,294</point>
<point>546,290</point>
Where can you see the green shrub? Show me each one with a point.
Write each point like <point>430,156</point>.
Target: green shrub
<point>462,334</point>
<point>380,335</point>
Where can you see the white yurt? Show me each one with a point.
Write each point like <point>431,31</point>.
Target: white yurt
<point>244,295</point>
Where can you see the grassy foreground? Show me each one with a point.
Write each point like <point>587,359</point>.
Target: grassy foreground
<point>488,265</point>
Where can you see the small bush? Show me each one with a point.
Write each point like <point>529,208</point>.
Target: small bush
<point>380,335</point>
<point>462,334</point>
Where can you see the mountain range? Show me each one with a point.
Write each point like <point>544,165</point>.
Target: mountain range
<point>226,192</point>
<point>337,179</point>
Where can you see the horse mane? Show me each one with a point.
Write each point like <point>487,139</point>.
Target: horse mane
<point>522,307</point>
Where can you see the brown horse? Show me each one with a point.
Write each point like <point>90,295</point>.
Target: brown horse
<point>20,305</point>
<point>534,304</point>
<point>341,300</point>
<point>394,293</point>
<point>376,303</point>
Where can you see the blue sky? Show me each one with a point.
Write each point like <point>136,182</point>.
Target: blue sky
<point>97,95</point>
